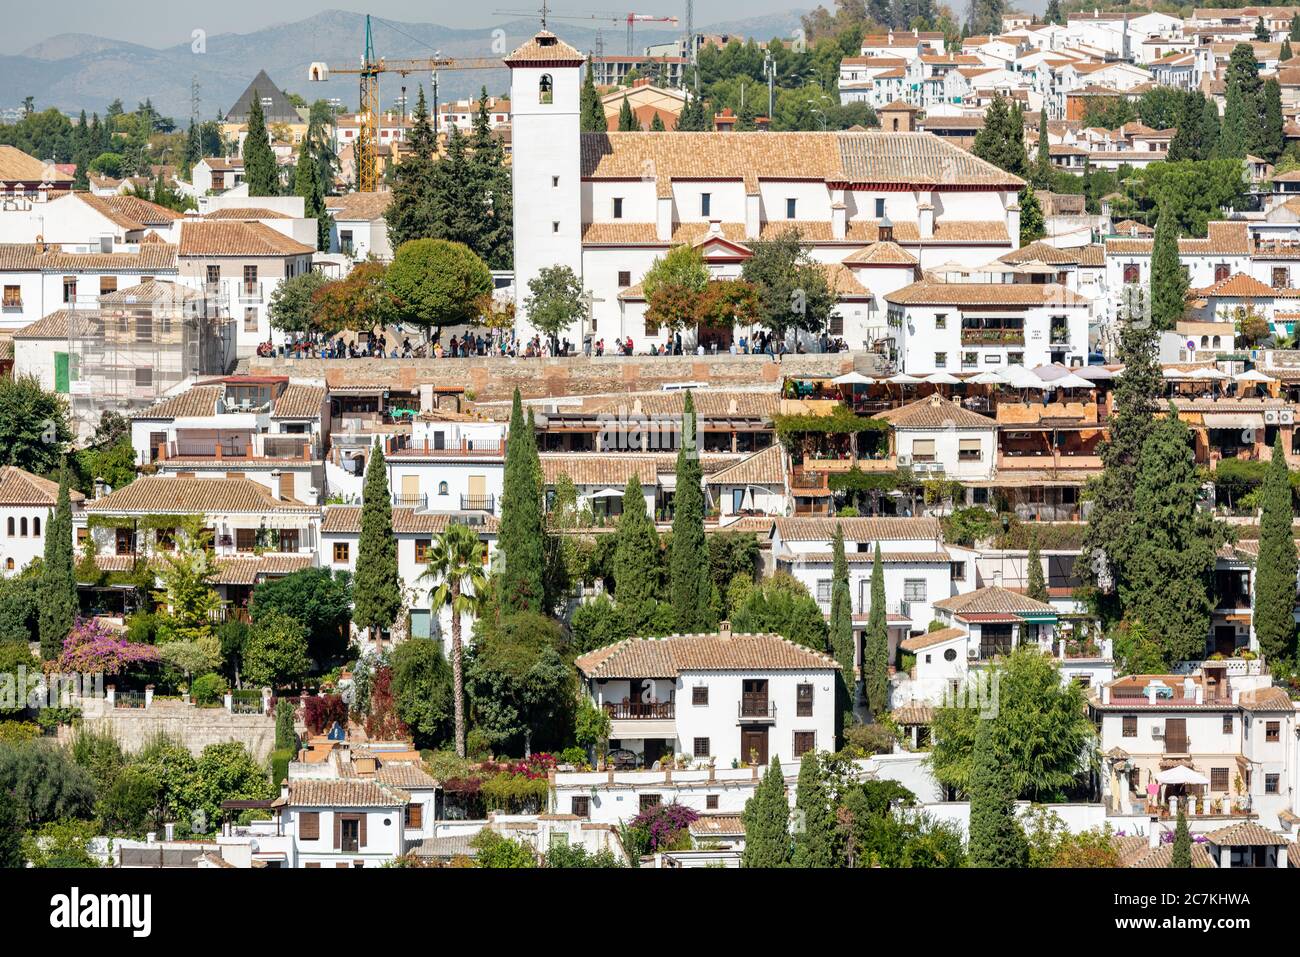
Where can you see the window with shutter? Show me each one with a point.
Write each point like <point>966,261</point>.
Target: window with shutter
<point>414,815</point>
<point>309,826</point>
<point>970,450</point>
<point>1218,779</point>
<point>923,450</point>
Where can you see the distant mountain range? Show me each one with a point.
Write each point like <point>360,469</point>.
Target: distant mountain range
<point>75,71</point>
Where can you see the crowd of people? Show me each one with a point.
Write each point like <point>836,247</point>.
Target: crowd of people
<point>507,345</point>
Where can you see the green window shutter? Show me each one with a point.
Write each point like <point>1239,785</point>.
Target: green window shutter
<point>61,378</point>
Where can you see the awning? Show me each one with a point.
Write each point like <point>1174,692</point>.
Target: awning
<point>1233,420</point>
<point>608,493</point>
<point>1181,774</point>
<point>1038,615</point>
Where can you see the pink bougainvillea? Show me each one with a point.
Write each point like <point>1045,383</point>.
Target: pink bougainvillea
<point>664,822</point>
<point>91,648</point>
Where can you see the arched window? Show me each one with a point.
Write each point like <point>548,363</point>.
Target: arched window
<point>1217,342</point>
<point>9,564</point>
<point>544,90</point>
<point>442,488</point>
<point>36,526</point>
<point>22,525</point>
<point>1205,342</point>
<point>11,526</point>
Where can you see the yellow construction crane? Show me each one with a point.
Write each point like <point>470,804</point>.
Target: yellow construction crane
<point>368,71</point>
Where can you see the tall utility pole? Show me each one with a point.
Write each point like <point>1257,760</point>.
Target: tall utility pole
<point>194,98</point>
<point>690,32</point>
<point>769,67</point>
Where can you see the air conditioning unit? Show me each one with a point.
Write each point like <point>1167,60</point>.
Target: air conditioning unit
<point>1157,733</point>
<point>904,461</point>
<point>1271,416</point>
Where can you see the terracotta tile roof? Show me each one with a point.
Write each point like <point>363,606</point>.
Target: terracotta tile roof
<point>152,494</point>
<point>403,774</point>
<point>842,157</point>
<point>1245,834</point>
<point>762,468</point>
<point>1094,254</point>
<point>931,638</point>
<point>359,206</point>
<point>669,657</point>
<point>101,205</point>
<point>931,292</point>
<point>28,257</point>
<point>160,292</point>
<point>1222,239</point>
<point>140,210</point>
<point>346,520</point>
<point>344,792</point>
<point>544,47</point>
<point>228,238</point>
<point>1268,699</point>
<point>880,254</point>
<point>1042,252</point>
<point>243,213</point>
<point>843,284</point>
<point>1241,286</point>
<point>913,713</point>
<point>299,402</point>
<point>1130,226</point>
<point>613,471</point>
<point>936,412</point>
<point>59,324</point>
<point>249,571</point>
<point>1134,851</point>
<point>20,487</point>
<point>6,348</point>
<point>19,167</point>
<point>992,600</point>
<point>866,558</point>
<point>717,825</point>
<point>859,529</point>
<point>199,400</point>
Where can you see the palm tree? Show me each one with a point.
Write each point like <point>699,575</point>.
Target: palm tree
<point>456,564</point>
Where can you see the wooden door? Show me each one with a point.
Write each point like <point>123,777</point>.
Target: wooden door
<point>753,699</point>
<point>286,485</point>
<point>753,744</point>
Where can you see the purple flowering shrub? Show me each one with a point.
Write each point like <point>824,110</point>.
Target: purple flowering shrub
<point>91,648</point>
<point>663,824</point>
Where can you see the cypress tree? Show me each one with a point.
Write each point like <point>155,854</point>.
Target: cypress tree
<point>1275,570</point>
<point>656,124</point>
<point>875,669</point>
<point>260,171</point>
<point>58,584</point>
<point>308,183</point>
<point>996,838</point>
<point>1037,586</point>
<point>1243,106</point>
<point>286,738</point>
<point>1043,165</point>
<point>636,558</point>
<point>1168,577</point>
<point>690,586</point>
<point>1189,139</point>
<point>627,119</point>
<point>1261,31</point>
<point>1053,13</point>
<point>1182,850</point>
<point>767,822</point>
<point>815,831</point>
<point>1270,141</point>
<point>490,197</point>
<point>377,590</point>
<point>842,616</point>
<point>411,212</point>
<point>11,832</point>
<point>1285,53</point>
<point>1112,525</point>
<point>1294,34</point>
<point>1168,281</point>
<point>520,537</point>
<point>591,110</point>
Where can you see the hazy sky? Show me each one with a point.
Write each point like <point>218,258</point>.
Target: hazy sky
<point>167,24</point>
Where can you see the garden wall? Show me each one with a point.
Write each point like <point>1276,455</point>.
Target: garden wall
<point>194,727</point>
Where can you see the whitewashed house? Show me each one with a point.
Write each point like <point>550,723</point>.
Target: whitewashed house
<point>27,503</point>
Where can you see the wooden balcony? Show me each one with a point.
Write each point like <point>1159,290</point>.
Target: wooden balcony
<point>992,337</point>
<point>1057,460</point>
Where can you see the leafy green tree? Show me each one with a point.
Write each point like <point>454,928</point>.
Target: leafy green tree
<point>286,736</point>
<point>815,837</point>
<point>766,818</point>
<point>422,687</point>
<point>361,301</point>
<point>11,833</point>
<point>223,772</point>
<point>291,308</point>
<point>260,170</point>
<point>1168,579</point>
<point>522,689</point>
<point>627,119</point>
<point>1182,851</point>
<point>1001,141</point>
<point>782,605</point>
<point>1037,589</point>
<point>15,655</point>
<point>690,585</point>
<point>1275,570</point>
<point>1243,105</point>
<point>520,539</point>
<point>793,292</point>
<point>58,583</point>
<point>319,600</point>
<point>456,565</point>
<point>1113,525</point>
<point>875,669</point>
<point>437,282</point>
<point>187,593</point>
<point>1261,31</point>
<point>20,606</point>
<point>636,559</point>
<point>555,300</point>
<point>377,590</point>
<point>129,806</point>
<point>412,213</point>
<point>841,624</point>
<point>599,623</point>
<point>1032,225</point>
<point>44,783</point>
<point>275,654</point>
<point>1054,14</point>
<point>996,838</point>
<point>1041,732</point>
<point>1168,280</point>
<point>1271,138</point>
<point>590,109</point>
<point>986,16</point>
<point>34,431</point>
<point>494,851</point>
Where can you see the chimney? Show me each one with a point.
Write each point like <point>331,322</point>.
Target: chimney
<point>1153,833</point>
<point>275,484</point>
<point>664,218</point>
<point>724,631</point>
<point>885,228</point>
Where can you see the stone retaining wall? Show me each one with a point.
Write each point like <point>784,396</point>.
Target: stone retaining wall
<point>194,727</point>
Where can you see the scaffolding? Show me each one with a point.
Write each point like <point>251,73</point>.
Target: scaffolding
<point>128,348</point>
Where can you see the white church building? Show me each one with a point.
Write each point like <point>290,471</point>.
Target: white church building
<point>875,208</point>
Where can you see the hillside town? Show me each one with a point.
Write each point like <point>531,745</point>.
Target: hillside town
<point>875,448</point>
